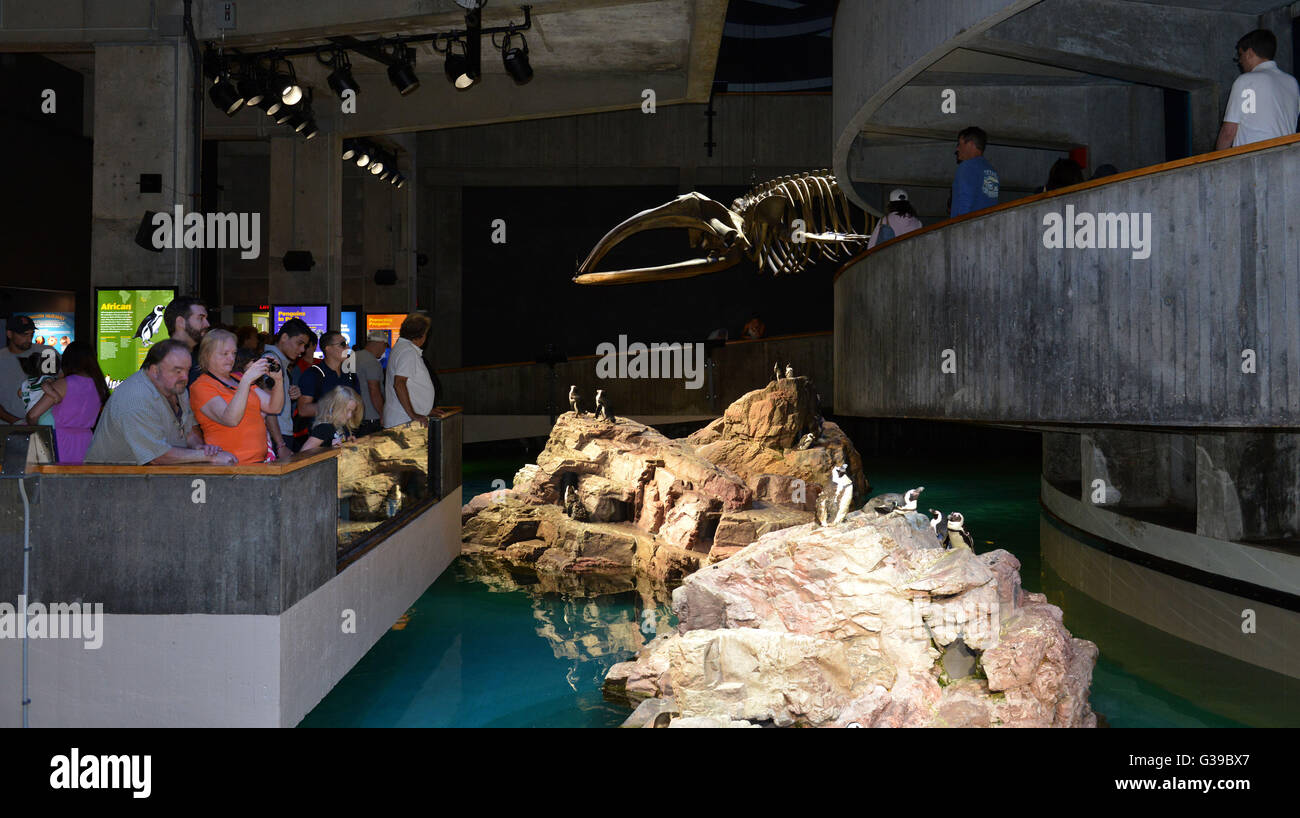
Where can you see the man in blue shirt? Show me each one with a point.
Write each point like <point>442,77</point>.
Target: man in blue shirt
<point>975,186</point>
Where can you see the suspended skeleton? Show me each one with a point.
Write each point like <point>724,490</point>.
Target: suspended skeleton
<point>761,226</point>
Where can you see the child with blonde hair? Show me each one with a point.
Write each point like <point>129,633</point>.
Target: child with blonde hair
<point>338,416</point>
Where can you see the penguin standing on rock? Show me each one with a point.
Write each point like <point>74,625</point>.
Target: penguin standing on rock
<point>602,408</point>
<point>789,372</point>
<point>776,371</point>
<point>937,525</point>
<point>573,399</point>
<point>958,536</point>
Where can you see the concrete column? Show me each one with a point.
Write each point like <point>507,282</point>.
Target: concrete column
<point>1140,469</point>
<point>142,124</point>
<point>445,267</point>
<point>1061,458</point>
<point>306,191</point>
<point>1248,486</point>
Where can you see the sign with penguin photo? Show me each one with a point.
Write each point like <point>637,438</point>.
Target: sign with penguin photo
<point>127,323</point>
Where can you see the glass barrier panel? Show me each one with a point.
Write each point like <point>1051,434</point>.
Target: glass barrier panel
<point>381,476</point>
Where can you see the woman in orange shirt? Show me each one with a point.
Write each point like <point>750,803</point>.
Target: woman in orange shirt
<point>229,408</point>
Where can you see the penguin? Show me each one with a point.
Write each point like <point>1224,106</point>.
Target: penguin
<point>602,408</point>
<point>569,499</point>
<point>806,442</point>
<point>895,503</point>
<point>843,490</point>
<point>648,624</point>
<point>958,536</point>
<point>776,371</point>
<point>150,325</point>
<point>937,522</point>
<point>573,399</point>
<point>789,372</point>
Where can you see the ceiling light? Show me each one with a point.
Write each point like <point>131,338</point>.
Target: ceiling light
<point>225,96</point>
<point>516,61</point>
<point>349,149</point>
<point>250,89</point>
<point>473,49</point>
<point>287,85</point>
<point>341,79</point>
<point>402,73</point>
<point>310,131</point>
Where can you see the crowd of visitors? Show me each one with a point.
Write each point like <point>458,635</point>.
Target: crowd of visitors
<point>216,395</point>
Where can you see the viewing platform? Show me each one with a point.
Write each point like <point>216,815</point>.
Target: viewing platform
<point>232,595</point>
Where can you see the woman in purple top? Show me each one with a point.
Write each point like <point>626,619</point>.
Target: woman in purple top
<point>75,400</point>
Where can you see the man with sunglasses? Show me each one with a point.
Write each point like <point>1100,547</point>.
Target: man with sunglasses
<point>1265,100</point>
<point>321,378</point>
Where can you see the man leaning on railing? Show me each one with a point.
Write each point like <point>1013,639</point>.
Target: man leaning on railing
<point>148,421</point>
<point>1265,100</point>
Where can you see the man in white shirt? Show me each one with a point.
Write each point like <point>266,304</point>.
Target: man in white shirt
<point>1265,100</point>
<point>408,388</point>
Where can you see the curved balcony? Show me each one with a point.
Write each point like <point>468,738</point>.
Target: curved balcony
<point>1194,323</point>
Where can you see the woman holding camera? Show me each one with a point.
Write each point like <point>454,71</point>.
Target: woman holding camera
<point>230,408</point>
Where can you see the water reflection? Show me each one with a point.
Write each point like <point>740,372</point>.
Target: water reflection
<point>1117,604</point>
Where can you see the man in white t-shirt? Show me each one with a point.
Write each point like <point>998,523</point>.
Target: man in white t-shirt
<point>1265,100</point>
<point>408,388</point>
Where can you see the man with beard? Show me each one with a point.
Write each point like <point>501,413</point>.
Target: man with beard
<point>18,334</point>
<point>148,421</point>
<point>187,321</point>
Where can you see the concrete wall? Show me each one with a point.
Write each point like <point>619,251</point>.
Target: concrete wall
<point>739,367</point>
<point>140,545</point>
<point>1088,336</point>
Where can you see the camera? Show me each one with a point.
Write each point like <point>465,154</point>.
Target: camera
<point>272,365</point>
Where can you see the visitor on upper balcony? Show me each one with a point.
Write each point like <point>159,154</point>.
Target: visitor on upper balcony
<point>976,184</point>
<point>1265,100</point>
<point>900,217</point>
<point>1064,172</point>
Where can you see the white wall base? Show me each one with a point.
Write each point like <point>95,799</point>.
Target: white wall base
<point>230,671</point>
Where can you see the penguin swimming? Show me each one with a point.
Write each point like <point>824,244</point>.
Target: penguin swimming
<point>150,325</point>
<point>573,399</point>
<point>958,536</point>
<point>894,502</point>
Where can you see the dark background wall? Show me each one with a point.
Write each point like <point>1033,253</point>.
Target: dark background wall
<point>518,296</point>
<point>44,188</point>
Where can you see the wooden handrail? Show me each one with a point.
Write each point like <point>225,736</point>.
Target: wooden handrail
<point>1150,170</point>
<point>298,461</point>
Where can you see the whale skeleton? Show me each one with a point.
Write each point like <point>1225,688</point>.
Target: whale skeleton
<point>760,225</point>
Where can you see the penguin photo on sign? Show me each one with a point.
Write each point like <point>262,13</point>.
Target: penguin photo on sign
<point>150,325</point>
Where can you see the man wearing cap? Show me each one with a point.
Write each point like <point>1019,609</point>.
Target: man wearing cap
<point>370,375</point>
<point>18,336</point>
<point>900,217</point>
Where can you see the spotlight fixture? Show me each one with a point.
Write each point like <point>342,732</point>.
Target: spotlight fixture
<point>311,130</point>
<point>297,121</point>
<point>250,88</point>
<point>212,67</point>
<point>401,180</point>
<point>349,149</point>
<point>377,165</point>
<point>455,66</point>
<point>402,72</point>
<point>287,85</point>
<point>363,155</point>
<point>516,61</point>
<point>341,79</point>
<point>383,177</point>
<point>270,101</point>
<point>225,95</point>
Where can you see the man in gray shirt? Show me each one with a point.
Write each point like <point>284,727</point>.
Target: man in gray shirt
<point>370,374</point>
<point>18,334</point>
<point>147,420</point>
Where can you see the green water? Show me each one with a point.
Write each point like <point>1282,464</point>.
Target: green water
<point>487,653</point>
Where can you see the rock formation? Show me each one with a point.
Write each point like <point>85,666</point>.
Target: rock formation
<point>658,506</point>
<point>868,623</point>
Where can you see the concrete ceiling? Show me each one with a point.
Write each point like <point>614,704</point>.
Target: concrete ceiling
<point>966,61</point>
<point>1237,6</point>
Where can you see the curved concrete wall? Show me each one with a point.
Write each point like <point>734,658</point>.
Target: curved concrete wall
<point>1090,336</point>
<point>879,47</point>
